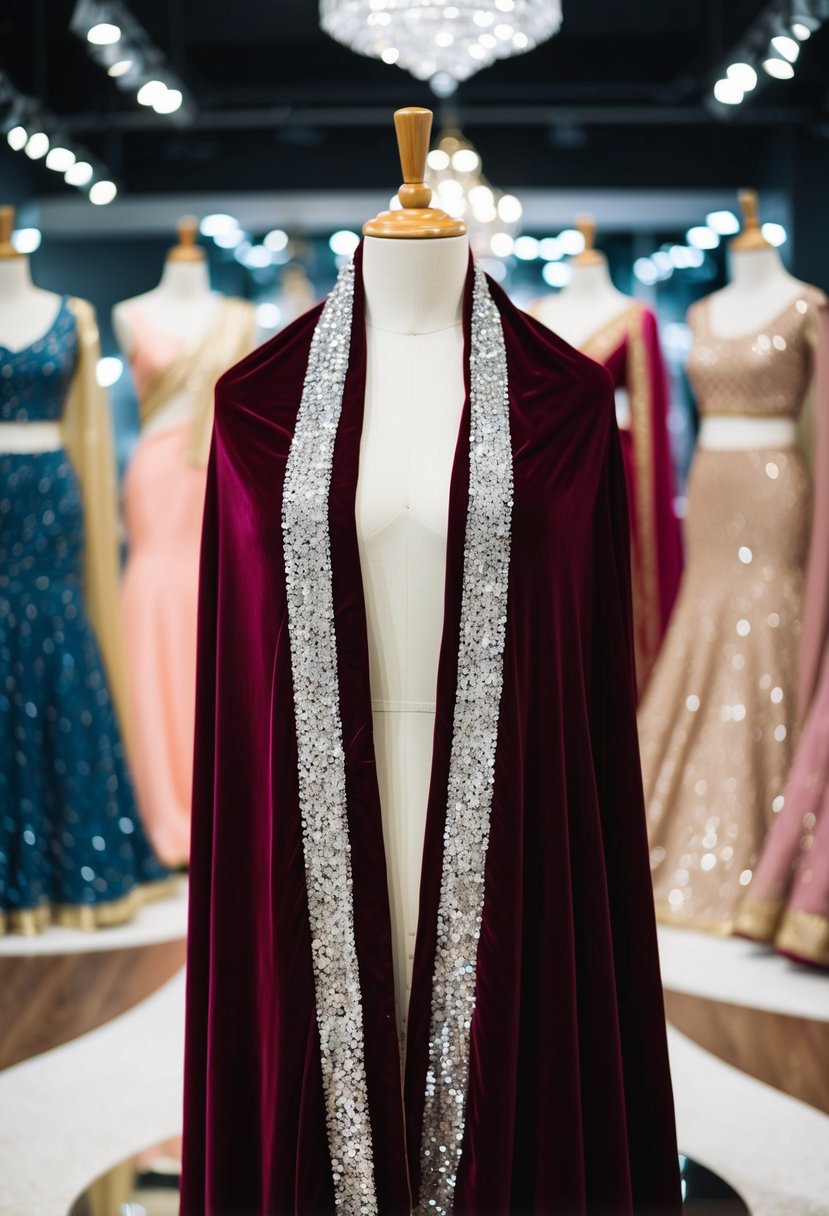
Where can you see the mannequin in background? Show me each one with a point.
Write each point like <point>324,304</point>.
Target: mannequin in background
<point>623,335</point>
<point>719,723</point>
<point>179,337</point>
<point>590,301</point>
<point>71,848</point>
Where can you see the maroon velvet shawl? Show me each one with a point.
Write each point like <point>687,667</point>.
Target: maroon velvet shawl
<point>568,1106</point>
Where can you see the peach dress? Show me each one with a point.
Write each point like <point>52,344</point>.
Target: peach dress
<point>163,505</point>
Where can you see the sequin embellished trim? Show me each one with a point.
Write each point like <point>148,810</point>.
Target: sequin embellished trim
<point>472,758</point>
<point>321,759</point>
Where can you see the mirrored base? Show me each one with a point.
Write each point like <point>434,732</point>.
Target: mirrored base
<point>148,1186</point>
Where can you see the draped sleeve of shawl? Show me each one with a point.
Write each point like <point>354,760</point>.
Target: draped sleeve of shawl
<point>648,376</point>
<point>230,337</point>
<point>241,971</point>
<point>816,610</point>
<point>87,436</point>
<point>635,961</point>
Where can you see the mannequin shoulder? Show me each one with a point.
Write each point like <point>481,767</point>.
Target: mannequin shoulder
<point>268,381</point>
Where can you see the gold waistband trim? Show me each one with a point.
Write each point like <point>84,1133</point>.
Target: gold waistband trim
<point>747,414</point>
<point>87,917</point>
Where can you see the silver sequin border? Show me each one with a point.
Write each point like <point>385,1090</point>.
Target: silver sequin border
<point>472,758</point>
<point>321,758</point>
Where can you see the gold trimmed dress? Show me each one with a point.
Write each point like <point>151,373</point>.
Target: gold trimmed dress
<point>628,348</point>
<point>718,724</point>
<point>72,850</point>
<point>163,506</point>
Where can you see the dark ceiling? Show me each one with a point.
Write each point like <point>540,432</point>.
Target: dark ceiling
<point>617,98</point>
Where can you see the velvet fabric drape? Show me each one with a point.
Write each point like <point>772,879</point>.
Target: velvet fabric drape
<point>569,1106</point>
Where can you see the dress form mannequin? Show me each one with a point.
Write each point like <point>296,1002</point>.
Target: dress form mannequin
<point>181,306</point>
<point>760,289</point>
<point>26,314</point>
<point>590,300</point>
<point>588,303</point>
<point>413,403</point>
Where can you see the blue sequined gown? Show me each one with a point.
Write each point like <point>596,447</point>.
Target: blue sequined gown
<point>72,848</point>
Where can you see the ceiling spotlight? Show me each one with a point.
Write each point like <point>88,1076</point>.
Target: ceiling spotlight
<point>725,223</point>
<point>526,248</point>
<point>37,145</point>
<point>103,34</point>
<point>276,240</point>
<point>229,238</point>
<point>571,241</point>
<point>257,257</point>
<point>17,138</point>
<point>119,68</point>
<point>465,160</point>
<point>510,209</point>
<point>169,102</point>
<point>102,192</point>
<point>775,234</point>
<point>60,159</point>
<point>501,244</point>
<point>743,75</point>
<point>78,174</point>
<point>218,222</point>
<point>645,271</point>
<point>26,240</point>
<point>801,31</point>
<point>702,237</point>
<point>109,370</point>
<point>549,248</point>
<point>728,92</point>
<point>788,47</point>
<point>557,274</point>
<point>781,69</point>
<point>151,93</point>
<point>343,243</point>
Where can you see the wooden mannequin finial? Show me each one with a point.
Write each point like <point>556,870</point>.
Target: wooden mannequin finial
<point>187,250</point>
<point>751,236</point>
<point>7,249</point>
<point>415,217</point>
<point>586,225</point>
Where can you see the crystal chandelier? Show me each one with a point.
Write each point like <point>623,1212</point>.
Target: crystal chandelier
<point>431,38</point>
<point>460,188</point>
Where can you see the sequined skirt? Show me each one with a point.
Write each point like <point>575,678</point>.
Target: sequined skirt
<point>70,840</point>
<point>717,724</point>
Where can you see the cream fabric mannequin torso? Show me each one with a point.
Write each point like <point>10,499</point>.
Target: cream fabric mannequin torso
<point>586,305</point>
<point>583,308</point>
<point>413,403</point>
<point>759,289</point>
<point>26,314</point>
<point>183,306</point>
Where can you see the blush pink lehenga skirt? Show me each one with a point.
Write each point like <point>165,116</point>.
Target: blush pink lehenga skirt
<point>788,901</point>
<point>163,503</point>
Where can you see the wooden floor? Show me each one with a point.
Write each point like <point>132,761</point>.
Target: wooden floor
<point>48,999</point>
<point>790,1053</point>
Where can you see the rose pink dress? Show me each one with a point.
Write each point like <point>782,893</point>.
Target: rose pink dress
<point>163,505</point>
